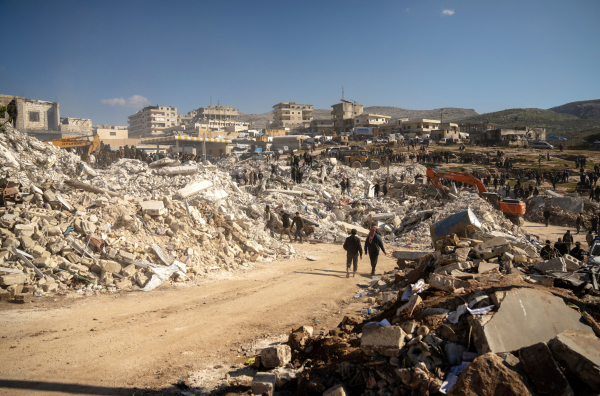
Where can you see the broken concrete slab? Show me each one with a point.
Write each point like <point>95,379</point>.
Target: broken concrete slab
<point>579,351</point>
<point>556,264</point>
<point>384,340</point>
<point>305,191</point>
<point>546,375</point>
<point>348,227</point>
<point>534,315</point>
<point>194,188</point>
<point>446,283</point>
<point>12,279</point>
<point>570,204</point>
<point>458,223</point>
<point>485,267</point>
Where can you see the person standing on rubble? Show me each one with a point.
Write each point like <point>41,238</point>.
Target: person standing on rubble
<point>269,220</point>
<point>343,186</point>
<point>376,188</point>
<point>285,219</point>
<point>548,252</point>
<point>568,239</point>
<point>299,226</point>
<point>373,244</point>
<point>589,238</point>
<point>353,248</point>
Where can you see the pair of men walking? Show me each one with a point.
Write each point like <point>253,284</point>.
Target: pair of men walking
<point>353,248</point>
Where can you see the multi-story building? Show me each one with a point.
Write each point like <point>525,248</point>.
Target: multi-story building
<point>216,118</point>
<point>423,125</point>
<point>291,115</point>
<point>106,132</point>
<point>152,121</point>
<point>370,120</point>
<point>343,115</point>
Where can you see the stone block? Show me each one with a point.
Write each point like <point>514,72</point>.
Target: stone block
<point>42,261</point>
<point>14,289</point>
<point>110,266</point>
<point>153,208</point>
<point>447,269</point>
<point>129,270</point>
<point>12,279</point>
<point>408,255</point>
<point>4,295</point>
<point>49,287</point>
<point>485,267</point>
<point>572,263</point>
<point>494,242</point>
<point>123,284</point>
<point>24,230</point>
<point>336,390</point>
<point>546,375</point>
<point>446,283</point>
<point>126,255</point>
<point>194,188</point>
<point>276,356</point>
<point>264,383</point>
<point>38,251</point>
<point>23,298</point>
<point>579,351</point>
<point>384,340</point>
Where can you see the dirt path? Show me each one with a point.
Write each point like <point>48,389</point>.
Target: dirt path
<point>113,343</point>
<point>552,233</point>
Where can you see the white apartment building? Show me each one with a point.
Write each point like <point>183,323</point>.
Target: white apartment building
<point>152,121</point>
<point>418,125</point>
<point>291,114</point>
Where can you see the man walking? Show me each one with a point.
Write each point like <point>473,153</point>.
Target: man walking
<point>285,219</point>
<point>372,245</point>
<point>299,226</point>
<point>269,220</point>
<point>547,216</point>
<point>578,222</point>
<point>353,248</point>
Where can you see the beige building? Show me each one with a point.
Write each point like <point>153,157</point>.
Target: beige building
<point>76,126</point>
<point>217,118</point>
<point>370,120</point>
<point>106,132</point>
<point>152,121</point>
<point>343,115</point>
<point>423,125</point>
<point>291,115</point>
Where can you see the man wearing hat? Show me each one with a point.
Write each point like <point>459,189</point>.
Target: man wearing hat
<point>353,248</point>
<point>577,251</point>
<point>548,252</point>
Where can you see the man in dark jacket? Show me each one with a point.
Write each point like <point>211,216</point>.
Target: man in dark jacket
<point>285,219</point>
<point>568,239</point>
<point>299,226</point>
<point>561,247</point>
<point>372,245</point>
<point>353,248</point>
<point>547,216</point>
<point>577,251</point>
<point>548,252</point>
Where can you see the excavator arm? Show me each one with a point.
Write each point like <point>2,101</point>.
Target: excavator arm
<point>435,177</point>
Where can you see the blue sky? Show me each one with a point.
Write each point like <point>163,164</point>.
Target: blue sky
<point>105,60</point>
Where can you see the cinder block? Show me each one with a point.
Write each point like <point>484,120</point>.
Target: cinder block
<point>277,356</point>
<point>264,383</point>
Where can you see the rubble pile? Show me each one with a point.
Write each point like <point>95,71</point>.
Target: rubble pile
<point>563,209</point>
<point>475,317</point>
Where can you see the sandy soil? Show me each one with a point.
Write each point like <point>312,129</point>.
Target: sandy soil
<point>122,342</point>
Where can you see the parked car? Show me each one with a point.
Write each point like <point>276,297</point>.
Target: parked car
<point>369,141</point>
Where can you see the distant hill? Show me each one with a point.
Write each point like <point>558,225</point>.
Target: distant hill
<point>450,114</point>
<point>555,123</point>
<point>586,109</point>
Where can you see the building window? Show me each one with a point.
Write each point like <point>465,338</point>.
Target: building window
<point>113,134</point>
<point>34,116</point>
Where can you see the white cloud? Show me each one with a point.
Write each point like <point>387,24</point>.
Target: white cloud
<point>132,101</point>
<point>447,12</point>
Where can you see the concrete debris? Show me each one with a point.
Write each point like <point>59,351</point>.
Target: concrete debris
<point>579,352</point>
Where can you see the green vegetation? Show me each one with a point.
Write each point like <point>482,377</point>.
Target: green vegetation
<point>556,124</point>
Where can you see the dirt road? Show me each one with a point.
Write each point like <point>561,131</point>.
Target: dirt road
<point>113,343</point>
<point>552,232</point>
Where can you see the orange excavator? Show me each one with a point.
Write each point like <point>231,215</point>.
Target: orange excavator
<point>513,209</point>
<point>77,142</point>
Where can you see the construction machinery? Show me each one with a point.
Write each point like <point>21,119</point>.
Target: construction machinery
<point>359,159</point>
<point>77,143</point>
<point>513,209</point>
<point>335,137</point>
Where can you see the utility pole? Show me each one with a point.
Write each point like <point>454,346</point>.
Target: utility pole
<point>204,147</point>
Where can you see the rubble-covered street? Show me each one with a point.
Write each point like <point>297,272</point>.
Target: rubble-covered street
<point>169,277</point>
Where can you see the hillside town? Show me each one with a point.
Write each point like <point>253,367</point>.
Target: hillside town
<point>470,295</point>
